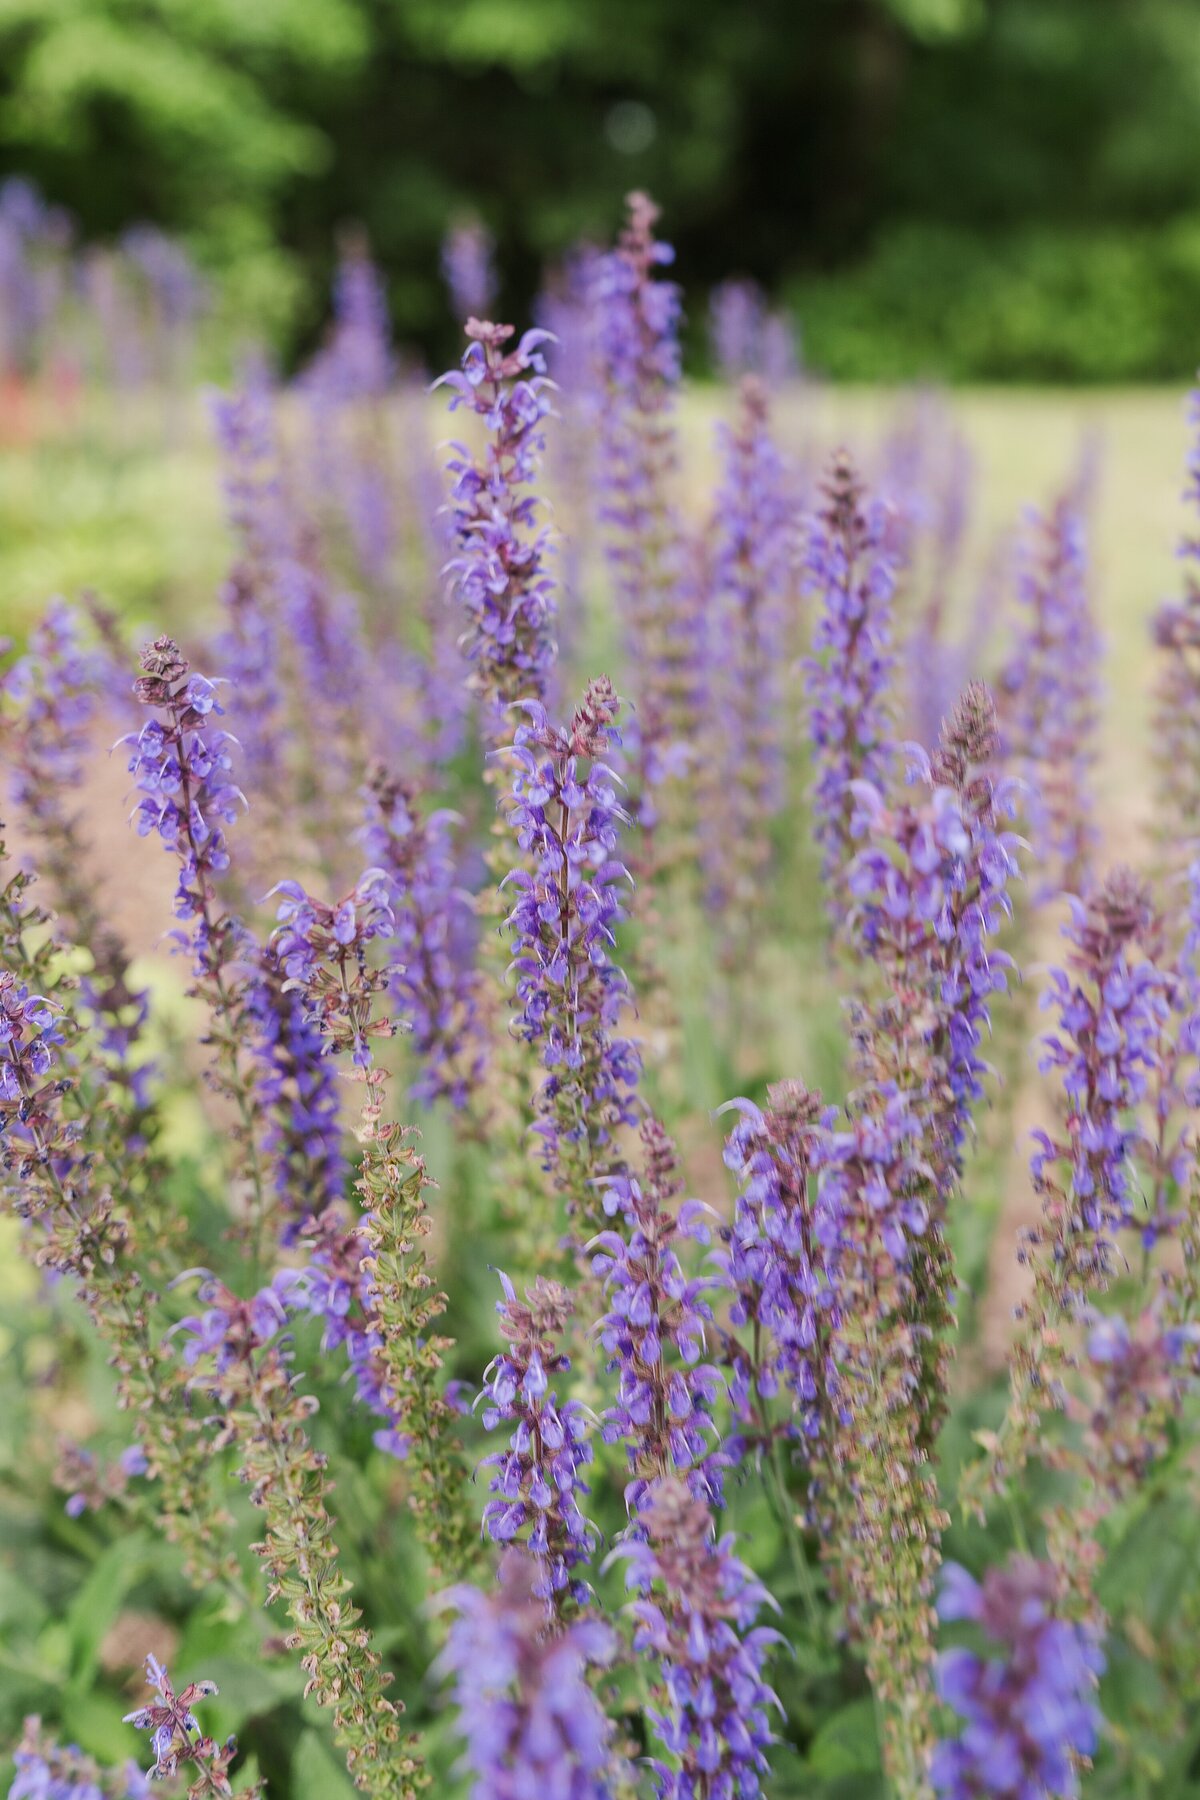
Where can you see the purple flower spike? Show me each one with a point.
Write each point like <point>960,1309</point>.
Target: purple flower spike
<point>468,253</point>
<point>537,1483</point>
<point>736,315</point>
<point>780,1263</point>
<point>656,1328</point>
<point>1050,687</point>
<point>570,989</point>
<point>1112,1002</point>
<point>433,982</point>
<point>744,661</point>
<point>848,572</point>
<point>1029,1708</point>
<point>321,950</point>
<point>637,323</point>
<point>499,569</point>
<point>182,765</point>
<point>696,1611</point>
<point>297,1089</point>
<point>526,1709</point>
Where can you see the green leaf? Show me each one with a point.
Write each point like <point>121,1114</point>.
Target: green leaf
<point>99,1600</point>
<point>97,1726</point>
<point>19,1603</point>
<point>317,1774</point>
<point>244,1688</point>
<point>848,1743</point>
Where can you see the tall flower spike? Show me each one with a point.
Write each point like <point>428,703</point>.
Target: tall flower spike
<point>50,701</point>
<point>638,318</point>
<point>565,309</point>
<point>249,644</point>
<point>736,315</point>
<point>696,1611</point>
<point>938,669</point>
<point>298,1094</point>
<point>849,574</point>
<point>346,383</point>
<point>320,951</point>
<point>1050,688</point>
<point>526,1708</point>
<point>434,985</point>
<point>468,253</point>
<point>780,1265</point>
<point>54,692</point>
<point>744,660</point>
<point>499,569</point>
<point>570,990</point>
<point>1112,1002</point>
<point>370,1281</point>
<point>656,1329</point>
<point>75,1169</point>
<point>1176,735</point>
<point>538,1481</point>
<point>1136,1382</point>
<point>239,1359</point>
<point>1029,1712</point>
<point>874,1494</point>
<point>360,345</point>
<point>930,891</point>
<point>182,766</point>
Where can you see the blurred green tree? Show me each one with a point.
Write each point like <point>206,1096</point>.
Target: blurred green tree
<point>797,140</point>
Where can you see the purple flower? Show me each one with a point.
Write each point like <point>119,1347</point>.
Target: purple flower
<point>1028,1707</point>
<point>695,1612</point>
<point>176,1738</point>
<point>93,1482</point>
<point>232,1330</point>
<point>250,643</point>
<point>432,983</point>
<point>848,572</point>
<point>656,1327</point>
<point>297,1090</point>
<point>929,893</point>
<point>175,287</point>
<point>53,689</point>
<point>47,1771</point>
<point>1140,1375</point>
<point>1051,694</point>
<point>537,1483</point>
<point>570,989</point>
<point>468,252</point>
<point>321,950</point>
<point>736,313</point>
<point>780,1261</point>
<point>526,1710</point>
<point>181,765</point>
<point>30,1034</point>
<point>1112,1003</point>
<point>356,361</point>
<point>1176,733</point>
<point>637,325</point>
<point>499,569</point>
<point>744,661</point>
